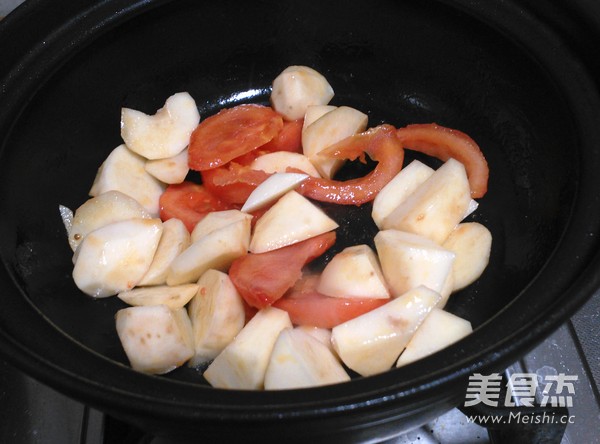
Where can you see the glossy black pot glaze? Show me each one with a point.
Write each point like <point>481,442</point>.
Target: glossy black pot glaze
<point>490,69</point>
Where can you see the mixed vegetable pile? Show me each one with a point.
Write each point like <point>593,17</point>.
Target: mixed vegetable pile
<point>215,270</point>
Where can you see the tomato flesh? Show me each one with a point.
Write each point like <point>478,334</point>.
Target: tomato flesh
<point>307,307</point>
<point>189,202</point>
<point>262,278</point>
<point>231,133</point>
<point>233,182</point>
<point>382,145</point>
<point>444,143</point>
<point>288,139</point>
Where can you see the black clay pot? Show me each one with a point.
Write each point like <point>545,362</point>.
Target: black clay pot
<point>499,71</point>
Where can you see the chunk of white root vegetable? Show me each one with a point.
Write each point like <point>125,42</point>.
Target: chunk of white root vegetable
<point>315,112</point>
<point>371,343</point>
<point>299,360</point>
<point>155,338</point>
<point>446,291</point>
<point>172,296</point>
<point>115,257</point>
<point>272,189</point>
<point>280,161</point>
<point>124,171</point>
<point>437,331</point>
<point>217,314</point>
<point>243,363</point>
<point>436,207</point>
<point>409,260</point>
<point>398,189</point>
<point>293,218</point>
<point>298,87</point>
<point>216,220</point>
<point>332,127</point>
<point>174,240</point>
<point>171,169</point>
<point>217,250</point>
<point>106,208</point>
<point>321,334</point>
<point>473,205</point>
<point>164,134</point>
<point>471,242</point>
<point>353,273</point>
<point>66,215</point>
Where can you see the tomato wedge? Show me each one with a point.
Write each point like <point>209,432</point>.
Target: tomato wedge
<point>231,133</point>
<point>382,145</point>
<point>249,312</point>
<point>288,139</point>
<point>248,158</point>
<point>444,143</point>
<point>233,182</point>
<point>189,202</point>
<point>263,278</point>
<point>308,307</point>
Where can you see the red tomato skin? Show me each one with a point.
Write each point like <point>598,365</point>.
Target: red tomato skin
<point>288,139</point>
<point>189,202</point>
<point>231,133</point>
<point>262,278</point>
<point>443,143</point>
<point>382,145</point>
